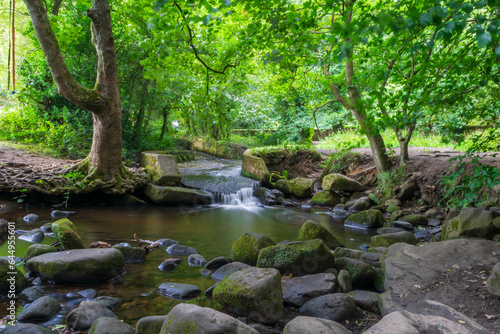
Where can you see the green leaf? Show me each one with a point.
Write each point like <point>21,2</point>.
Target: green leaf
<point>425,19</point>
<point>484,39</point>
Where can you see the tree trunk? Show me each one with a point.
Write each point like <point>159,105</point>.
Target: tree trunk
<point>140,114</point>
<point>164,125</point>
<point>404,157</point>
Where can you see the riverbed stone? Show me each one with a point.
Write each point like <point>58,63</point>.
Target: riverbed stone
<point>247,247</point>
<point>30,218</point>
<point>177,195</point>
<point>265,196</point>
<point>109,302</point>
<point>347,252</point>
<point>150,325</point>
<point>169,264</point>
<point>166,242</point>
<point>78,266</point>
<point>345,281</point>
<point>38,249</point>
<point>303,187</point>
<point>471,222</point>
<point>252,292</point>
<point>415,220</point>
<point>299,290</point>
<point>367,219</point>
<point>303,324</point>
<point>35,236</point>
<point>161,169</point>
<point>179,291</point>
<point>336,307</point>
<point>5,269</point>
<point>82,318</point>
<point>31,294</point>
<point>253,167</point>
<point>311,230</point>
<point>387,230</point>
<point>66,233</point>
<point>339,182</point>
<point>362,274</point>
<point>285,186</point>
<point>193,319</point>
<point>228,269</point>
<point>402,225</point>
<point>400,213</point>
<point>385,240</point>
<point>372,259</point>
<point>366,300</point>
<point>61,213</point>
<point>20,328</point>
<point>180,250</point>
<point>41,309</point>
<point>46,228</point>
<point>326,198</point>
<point>132,254</point>
<point>196,260</point>
<point>393,208</point>
<point>298,258</point>
<point>107,325</point>
<point>217,262</point>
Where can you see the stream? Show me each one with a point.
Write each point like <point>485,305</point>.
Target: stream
<point>211,230</point>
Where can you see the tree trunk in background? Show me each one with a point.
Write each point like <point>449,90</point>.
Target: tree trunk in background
<point>140,114</point>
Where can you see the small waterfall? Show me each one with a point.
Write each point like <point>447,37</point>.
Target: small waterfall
<point>241,197</point>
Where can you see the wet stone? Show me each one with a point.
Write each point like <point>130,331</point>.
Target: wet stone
<point>403,225</point>
<point>108,302</point>
<point>179,291</point>
<point>30,218</point>
<point>34,236</point>
<point>166,242</point>
<point>169,264</point>
<point>46,228</point>
<point>434,222</point>
<point>196,260</point>
<point>180,250</point>
<point>218,262</point>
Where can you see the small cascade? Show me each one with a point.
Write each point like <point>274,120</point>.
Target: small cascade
<point>243,196</point>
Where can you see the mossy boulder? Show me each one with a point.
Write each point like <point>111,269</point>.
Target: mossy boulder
<point>297,258</point>
<point>193,319</point>
<point>311,230</point>
<point>247,247</point>
<point>302,325</point>
<point>471,222</point>
<point>5,269</point>
<point>253,167</point>
<point>161,169</point>
<point>359,204</point>
<point>41,309</point>
<point>326,198</point>
<point>303,187</point>
<point>415,220</point>
<point>385,240</point>
<point>151,324</point>
<point>38,249</point>
<point>285,186</point>
<point>367,219</point>
<point>393,208</point>
<point>177,195</point>
<point>347,252</point>
<point>78,266</point>
<point>254,293</point>
<point>339,182</point>
<point>67,235</point>
<point>108,325</point>
<point>362,274</point>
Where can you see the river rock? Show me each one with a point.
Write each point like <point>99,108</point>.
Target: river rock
<point>415,220</point>
<point>20,328</point>
<point>392,208</point>
<point>166,242</point>
<point>326,198</point>
<point>66,234</point>
<point>218,262</point>
<point>5,277</point>
<point>46,228</point>
<point>471,222</point>
<point>180,250</point>
<point>366,300</point>
<point>385,240</point>
<point>38,249</point>
<point>387,230</point>
<point>194,319</point>
<point>347,252</point>
<point>402,225</point>
<point>427,317</point>
<point>247,247</point>
<point>107,325</point>
<point>108,302</point>
<point>372,259</point>
<point>339,182</point>
<point>60,214</point>
<point>367,219</point>
<point>252,292</point>
<point>41,309</point>
<point>285,186</point>
<point>177,195</point>
<point>82,318</point>
<point>35,236</point>
<point>265,196</point>
<point>196,260</point>
<point>30,218</point>
<point>179,291</point>
<point>302,325</point>
<point>132,254</point>
<point>31,294</point>
<point>169,264</point>
<point>407,190</point>
<point>362,274</point>
<point>161,169</point>
<point>78,266</point>
<point>493,283</point>
<point>253,167</point>
<point>150,324</point>
<point>400,213</point>
<point>303,187</point>
<point>336,307</point>
<point>360,204</point>
<point>228,269</point>
<point>345,281</point>
<point>311,230</point>
<point>299,290</point>
<point>299,258</point>
<point>433,222</point>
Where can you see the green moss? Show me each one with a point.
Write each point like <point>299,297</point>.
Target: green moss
<point>66,234</point>
<point>311,230</point>
<point>246,249</point>
<point>326,198</point>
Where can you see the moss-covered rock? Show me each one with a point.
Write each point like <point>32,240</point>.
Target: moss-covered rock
<point>471,222</point>
<point>253,167</point>
<point>67,235</point>
<point>254,293</point>
<point>347,252</point>
<point>285,186</point>
<point>362,274</point>
<point>393,208</point>
<point>177,195</point>
<point>246,249</point>
<point>339,182</point>
<point>385,240</point>
<point>297,258</point>
<point>311,230</point>
<point>326,198</point>
<point>150,325</point>
<point>303,187</point>
<point>161,169</point>
<point>399,213</point>
<point>415,220</point>
<point>366,219</point>
<point>107,325</point>
<point>37,249</point>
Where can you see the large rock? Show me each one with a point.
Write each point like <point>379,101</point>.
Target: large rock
<point>151,324</point>
<point>253,167</point>
<point>254,293</point>
<point>326,198</point>
<point>228,269</point>
<point>336,307</point>
<point>365,219</point>
<point>366,300</point>
<point>38,249</point>
<point>427,317</point>
<point>66,234</point>
<point>302,325</point>
<point>298,258</point>
<point>362,274</point>
<point>385,240</point>
<point>247,247</point>
<point>359,204</point>
<point>311,230</point>
<point>471,222</point>
<point>193,319</point>
<point>161,169</point>
<point>78,266</point>
<point>25,329</point>
<point>6,278</point>
<point>81,318</point>
<point>407,190</point>
<point>179,291</point>
<point>180,250</point>
<point>177,195</point>
<point>299,290</point>
<point>107,325</point>
<point>303,187</point>
<point>415,220</point>
<point>339,182</point>
<point>41,309</point>
<point>285,186</point>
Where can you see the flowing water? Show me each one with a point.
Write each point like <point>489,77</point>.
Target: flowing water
<point>211,230</point>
